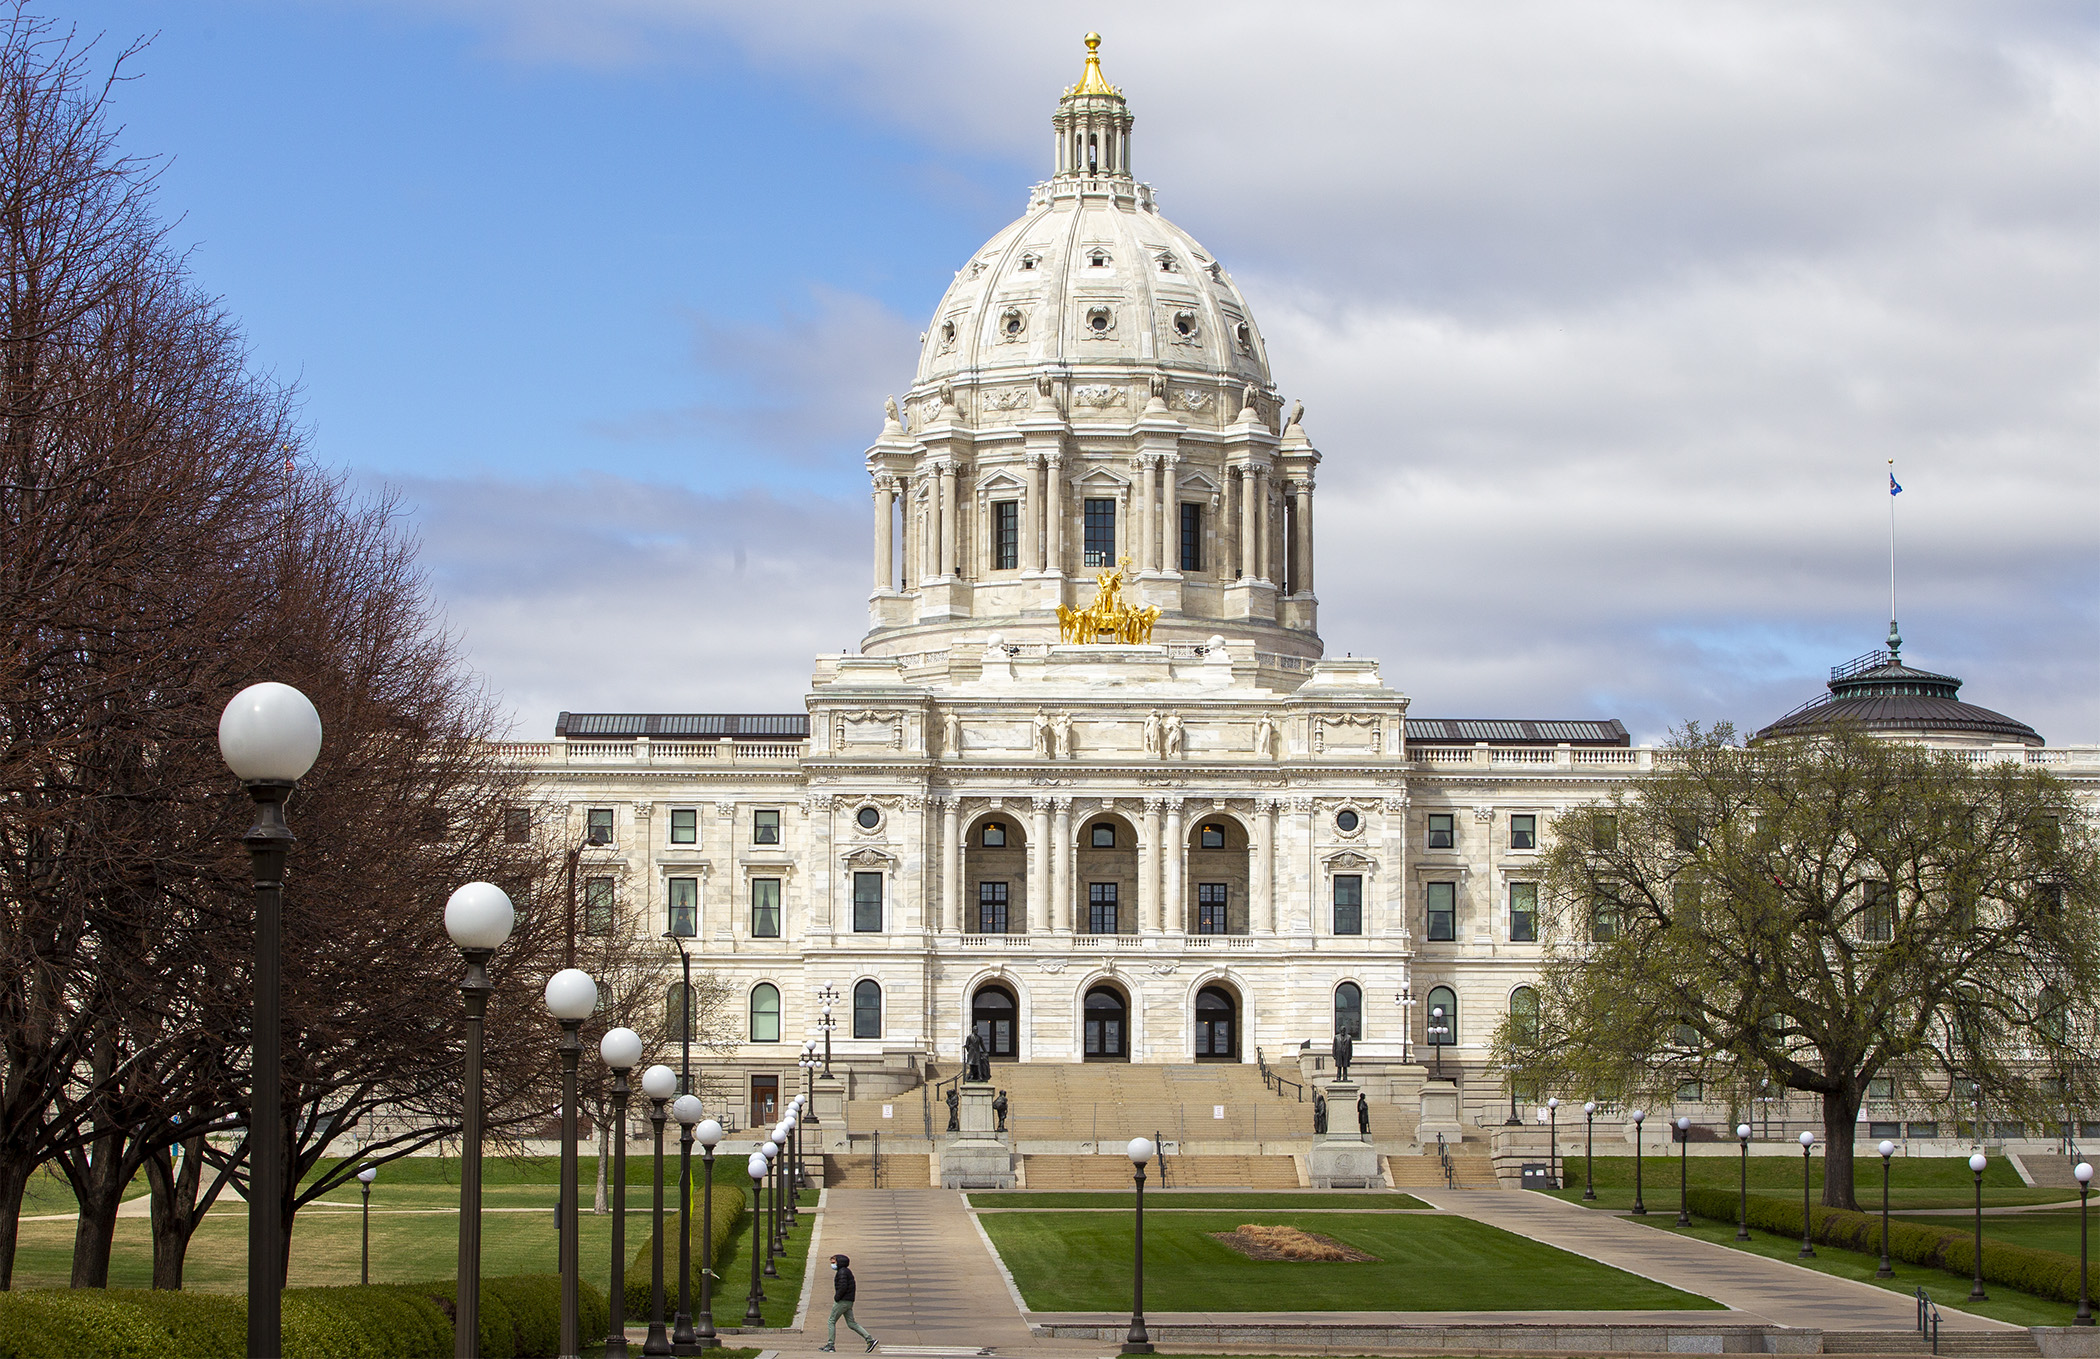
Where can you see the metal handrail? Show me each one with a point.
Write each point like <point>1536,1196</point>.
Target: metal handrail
<point>1271,1080</point>
<point>1925,1308</point>
<point>1160,1143</point>
<point>875,1169</point>
<point>1443,1156</point>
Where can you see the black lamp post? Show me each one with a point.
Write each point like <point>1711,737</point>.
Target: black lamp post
<point>659,1083</point>
<point>1977,1164</point>
<point>571,997</point>
<point>269,736</point>
<point>1684,1147</point>
<point>753,1318</point>
<point>827,996</point>
<point>2083,1171</point>
<point>1553,1139</point>
<point>479,917</point>
<point>620,1049</point>
<point>687,1111</point>
<point>1439,1034</point>
<point>1742,1210</point>
<point>1640,1209</point>
<point>1808,1145</point>
<point>809,1082</point>
<point>364,1252</point>
<point>770,1149</point>
<point>787,1171</point>
<point>709,1135</point>
<point>1887,1149</point>
<point>685,1017</point>
<point>1589,1143</point>
<point>1138,1341</point>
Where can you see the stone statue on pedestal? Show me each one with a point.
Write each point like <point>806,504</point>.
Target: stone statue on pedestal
<point>1344,1050</point>
<point>999,1108</point>
<point>1319,1113</point>
<point>1363,1114</point>
<point>954,1110</point>
<point>977,1065</point>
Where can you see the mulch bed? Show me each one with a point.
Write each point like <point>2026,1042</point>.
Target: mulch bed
<point>1257,1242</point>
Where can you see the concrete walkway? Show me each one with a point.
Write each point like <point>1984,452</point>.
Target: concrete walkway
<point>1767,1290</point>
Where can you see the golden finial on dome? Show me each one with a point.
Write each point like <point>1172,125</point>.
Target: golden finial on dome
<point>1092,82</point>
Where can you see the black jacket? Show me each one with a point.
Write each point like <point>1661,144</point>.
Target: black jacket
<point>842,1284</point>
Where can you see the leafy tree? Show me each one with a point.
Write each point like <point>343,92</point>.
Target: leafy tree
<point>1817,913</point>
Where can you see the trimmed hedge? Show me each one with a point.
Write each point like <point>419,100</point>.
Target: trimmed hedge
<point>708,1247</point>
<point>2044,1273</point>
<point>520,1319</point>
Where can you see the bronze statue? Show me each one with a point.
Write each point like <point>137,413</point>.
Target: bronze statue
<point>1319,1113</point>
<point>954,1110</point>
<point>1363,1114</point>
<point>977,1063</point>
<point>1344,1050</point>
<point>999,1108</point>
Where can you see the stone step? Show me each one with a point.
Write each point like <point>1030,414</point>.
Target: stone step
<point>1114,1172</point>
<point>1961,1344</point>
<point>857,1171</point>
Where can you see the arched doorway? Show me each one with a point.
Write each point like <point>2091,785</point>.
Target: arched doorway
<point>1107,1025</point>
<point>1217,1025</point>
<point>995,1017</point>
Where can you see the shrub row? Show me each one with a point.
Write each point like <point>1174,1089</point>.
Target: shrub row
<point>708,1248</point>
<point>2044,1273</point>
<point>520,1319</point>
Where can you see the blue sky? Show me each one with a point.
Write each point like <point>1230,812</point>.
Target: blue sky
<point>1607,316</point>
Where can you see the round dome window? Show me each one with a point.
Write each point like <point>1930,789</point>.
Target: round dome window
<point>1346,820</point>
<point>1185,324</point>
<point>1098,320</point>
<point>868,818</point>
<point>1011,323</point>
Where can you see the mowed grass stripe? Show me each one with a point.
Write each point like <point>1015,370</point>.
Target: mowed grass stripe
<point>1081,1262</point>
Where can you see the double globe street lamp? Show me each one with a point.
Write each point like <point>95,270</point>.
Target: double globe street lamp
<point>269,736</point>
<point>479,918</point>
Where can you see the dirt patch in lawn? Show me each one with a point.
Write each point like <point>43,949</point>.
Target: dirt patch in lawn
<point>1257,1242</point>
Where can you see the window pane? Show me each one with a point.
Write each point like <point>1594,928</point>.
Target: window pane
<point>1443,910</point>
<point>994,835</point>
<point>1101,907</point>
<point>1524,912</point>
<point>1213,902</point>
<point>1348,903</point>
<point>1524,832</point>
<point>1191,537</point>
<point>1442,1028</point>
<point>765,1013</point>
<point>1211,837</point>
<point>867,1010</point>
<point>1100,530</point>
<point>1349,1009</point>
<point>1877,921</point>
<point>1104,835</point>
<point>598,825</point>
<point>765,908</point>
<point>867,902</point>
<point>991,907</point>
<point>1524,1014</point>
<point>517,825</point>
<point>685,826</point>
<point>1006,535</point>
<point>597,905</point>
<point>765,827</point>
<point>684,900</point>
<point>1441,831</point>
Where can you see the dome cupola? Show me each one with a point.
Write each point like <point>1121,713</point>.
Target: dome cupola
<point>1878,693</point>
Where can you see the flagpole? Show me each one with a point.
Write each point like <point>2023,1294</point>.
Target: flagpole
<point>1895,637</point>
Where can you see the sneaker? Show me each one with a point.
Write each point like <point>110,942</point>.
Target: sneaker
<point>827,1349</point>
<point>871,1345</point>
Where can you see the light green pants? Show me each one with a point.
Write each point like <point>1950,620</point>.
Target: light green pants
<point>844,1308</point>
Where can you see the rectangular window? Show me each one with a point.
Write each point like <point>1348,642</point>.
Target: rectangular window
<point>765,908</point>
<point>597,826</point>
<point>517,825</point>
<point>1443,834</point>
<point>1524,831</point>
<point>1925,1130</point>
<point>1877,922</point>
<point>1685,903</point>
<point>765,827</point>
<point>1881,1088</point>
<point>1688,1092</point>
<point>1101,908</point>
<point>1348,903</point>
<point>1604,923</point>
<point>685,826</point>
<point>1684,832</point>
<point>867,902</point>
<point>1006,535</point>
<point>1884,1130</point>
<point>1524,913</point>
<point>1104,835</point>
<point>1443,910</point>
<point>994,835</point>
<point>1211,837</point>
<point>597,905</point>
<point>1100,528</point>
<point>1604,833</point>
<point>991,907</point>
<point>1191,537</point>
<point>1212,901</point>
<point>682,895</point>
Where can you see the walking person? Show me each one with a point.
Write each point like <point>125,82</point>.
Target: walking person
<point>842,1289</point>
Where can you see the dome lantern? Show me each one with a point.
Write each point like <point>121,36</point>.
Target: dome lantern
<point>1092,124</point>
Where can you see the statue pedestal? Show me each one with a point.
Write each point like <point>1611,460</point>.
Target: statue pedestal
<point>830,1102</point>
<point>1342,1157</point>
<point>1439,1113</point>
<point>979,1157</point>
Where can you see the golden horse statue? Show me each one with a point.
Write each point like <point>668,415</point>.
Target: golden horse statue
<point>1108,618</point>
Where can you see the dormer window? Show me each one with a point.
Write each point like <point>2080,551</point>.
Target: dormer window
<point>1166,263</point>
<point>947,334</point>
<point>1098,258</point>
<point>1245,337</point>
<point>1030,261</point>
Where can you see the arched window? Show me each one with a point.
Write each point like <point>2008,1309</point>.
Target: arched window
<point>1441,1029</point>
<point>1349,1009</point>
<point>765,1013</point>
<point>867,1010</point>
<point>1524,1016</point>
<point>675,1004</point>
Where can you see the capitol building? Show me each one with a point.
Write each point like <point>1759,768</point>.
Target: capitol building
<point>1095,787</point>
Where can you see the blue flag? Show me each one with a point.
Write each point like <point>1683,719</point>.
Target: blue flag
<point>1894,489</point>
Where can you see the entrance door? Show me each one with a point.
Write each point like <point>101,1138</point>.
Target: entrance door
<point>993,1015</point>
<point>1217,1035</point>
<point>765,1101</point>
<point>1107,1026</point>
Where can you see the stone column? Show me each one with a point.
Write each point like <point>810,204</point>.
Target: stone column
<point>1176,847</point>
<point>1243,559</point>
<point>1140,513</point>
<point>951,864</point>
<point>1054,512</point>
<point>1035,530</point>
<point>885,511</point>
<point>1263,551</point>
<point>1148,869</point>
<point>1061,867</point>
<point>1039,872</point>
<point>1263,888</point>
<point>1301,575</point>
<point>1170,512</point>
<point>950,552</point>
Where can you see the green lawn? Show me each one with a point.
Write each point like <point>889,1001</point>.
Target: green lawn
<point>1914,1181</point>
<point>1080,1262</point>
<point>1179,1200</point>
<point>1948,1290</point>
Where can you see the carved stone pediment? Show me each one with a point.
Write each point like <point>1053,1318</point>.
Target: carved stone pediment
<point>1352,732</point>
<point>1349,861</point>
<point>869,727</point>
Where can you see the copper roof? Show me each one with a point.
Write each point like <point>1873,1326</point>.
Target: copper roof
<point>1878,693</point>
